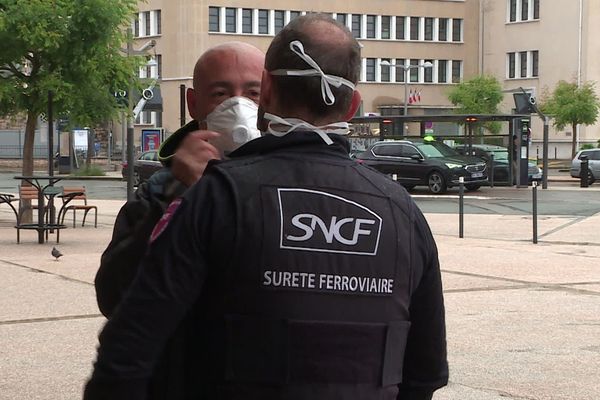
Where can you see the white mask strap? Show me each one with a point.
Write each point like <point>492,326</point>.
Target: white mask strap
<point>326,80</point>
<point>292,124</point>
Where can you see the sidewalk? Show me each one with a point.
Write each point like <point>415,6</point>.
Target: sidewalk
<point>523,320</point>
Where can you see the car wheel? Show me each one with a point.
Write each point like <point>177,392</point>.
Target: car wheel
<point>436,183</point>
<point>472,186</point>
<point>136,178</point>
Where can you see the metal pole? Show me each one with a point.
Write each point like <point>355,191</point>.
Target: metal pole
<point>535,230</point>
<point>130,145</point>
<point>405,69</point>
<point>491,170</point>
<point>461,206</point>
<point>50,137</point>
<point>545,154</point>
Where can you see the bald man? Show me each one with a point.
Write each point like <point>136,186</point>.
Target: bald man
<point>223,105</point>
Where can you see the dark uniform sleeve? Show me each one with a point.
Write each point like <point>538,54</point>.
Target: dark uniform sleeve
<point>425,361</point>
<point>119,262</point>
<point>170,279</point>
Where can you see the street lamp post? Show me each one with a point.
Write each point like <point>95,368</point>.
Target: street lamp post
<point>130,140</point>
<point>405,68</point>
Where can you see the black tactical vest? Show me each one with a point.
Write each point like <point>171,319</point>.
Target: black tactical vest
<point>314,303</point>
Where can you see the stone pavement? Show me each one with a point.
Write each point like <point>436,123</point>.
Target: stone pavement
<point>523,320</point>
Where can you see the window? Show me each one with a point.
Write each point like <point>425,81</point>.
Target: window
<point>385,70</point>
<point>136,26</point>
<point>295,14</point>
<point>388,150</point>
<point>456,71</point>
<point>158,17</point>
<point>158,65</point>
<point>386,24</point>
<point>524,10</point>
<point>370,70</point>
<point>409,151</point>
<point>414,72</point>
<point>442,71</point>
<point>511,65</point>
<point>428,72</point>
<point>247,20</point>
<point>263,22</point>
<point>356,26</point>
<point>400,71</point>
<point>456,30</point>
<point>512,10</point>
<point>371,26</point>
<point>534,63</point>
<point>279,20</point>
<point>400,21</point>
<point>414,28</point>
<point>213,19</point>
<point>523,64</point>
<point>428,28</point>
<point>342,18</point>
<point>230,20</point>
<point>148,26</point>
<point>443,29</point>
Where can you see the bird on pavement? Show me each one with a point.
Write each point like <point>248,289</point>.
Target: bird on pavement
<point>55,253</point>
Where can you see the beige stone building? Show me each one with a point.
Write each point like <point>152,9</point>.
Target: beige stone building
<point>524,43</point>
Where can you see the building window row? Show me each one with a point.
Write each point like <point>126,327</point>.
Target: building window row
<point>400,70</point>
<point>153,118</point>
<point>147,23</point>
<point>153,69</point>
<point>523,10</point>
<point>522,64</point>
<point>363,26</point>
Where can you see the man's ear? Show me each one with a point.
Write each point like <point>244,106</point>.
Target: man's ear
<point>190,96</point>
<point>266,87</point>
<point>354,104</point>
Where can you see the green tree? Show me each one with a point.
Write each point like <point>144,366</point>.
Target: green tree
<point>69,47</point>
<point>572,105</point>
<point>479,95</point>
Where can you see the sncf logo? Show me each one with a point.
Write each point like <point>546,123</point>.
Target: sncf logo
<point>318,221</point>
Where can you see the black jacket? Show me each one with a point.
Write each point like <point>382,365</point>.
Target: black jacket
<point>305,275</point>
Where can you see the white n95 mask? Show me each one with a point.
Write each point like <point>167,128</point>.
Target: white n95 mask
<point>235,119</point>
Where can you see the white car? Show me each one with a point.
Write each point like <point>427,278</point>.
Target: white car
<point>593,164</point>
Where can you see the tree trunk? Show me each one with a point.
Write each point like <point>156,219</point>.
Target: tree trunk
<point>574,142</point>
<point>27,168</point>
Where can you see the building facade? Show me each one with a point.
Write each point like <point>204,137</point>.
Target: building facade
<point>421,47</point>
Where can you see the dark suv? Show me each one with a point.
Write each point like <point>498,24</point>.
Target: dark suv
<point>427,163</point>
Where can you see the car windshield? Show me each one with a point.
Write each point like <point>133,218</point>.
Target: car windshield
<point>436,150</point>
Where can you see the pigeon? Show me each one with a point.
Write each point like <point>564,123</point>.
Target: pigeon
<point>55,253</point>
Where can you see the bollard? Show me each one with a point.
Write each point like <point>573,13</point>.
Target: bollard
<point>584,172</point>
<point>491,177</point>
<point>461,206</point>
<point>534,192</point>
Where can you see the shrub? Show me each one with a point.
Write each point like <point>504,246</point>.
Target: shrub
<point>91,170</point>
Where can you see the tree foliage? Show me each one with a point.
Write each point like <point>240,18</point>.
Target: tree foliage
<point>479,95</point>
<point>570,105</point>
<point>69,47</point>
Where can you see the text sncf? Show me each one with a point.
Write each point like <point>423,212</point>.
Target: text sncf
<point>309,223</point>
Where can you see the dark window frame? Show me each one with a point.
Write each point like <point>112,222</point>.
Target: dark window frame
<point>401,28</point>
<point>371,28</point>
<point>457,33</point>
<point>428,26</point>
<point>278,20</point>
<point>386,27</point>
<point>442,71</point>
<point>214,25</point>
<point>415,24</point>
<point>247,20</point>
<point>443,29</point>
<point>263,15</point>
<point>370,70</point>
<point>230,16</point>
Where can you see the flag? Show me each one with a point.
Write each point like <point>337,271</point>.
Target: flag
<point>419,95</point>
<point>411,97</point>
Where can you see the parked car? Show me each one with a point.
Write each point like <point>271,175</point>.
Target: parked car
<point>429,163</point>
<point>143,167</point>
<point>593,164</point>
<point>501,161</point>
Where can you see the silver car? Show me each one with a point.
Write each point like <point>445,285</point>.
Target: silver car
<point>593,164</point>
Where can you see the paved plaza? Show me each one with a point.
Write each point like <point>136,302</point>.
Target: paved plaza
<point>523,320</point>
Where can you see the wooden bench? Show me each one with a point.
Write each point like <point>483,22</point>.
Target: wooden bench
<point>71,194</point>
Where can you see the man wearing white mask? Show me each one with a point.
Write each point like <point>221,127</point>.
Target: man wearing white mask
<point>309,276</point>
<point>223,105</point>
